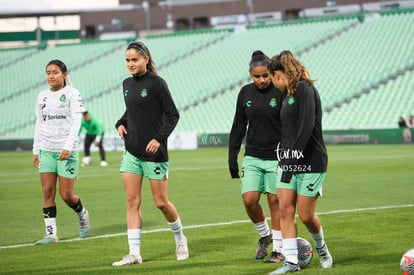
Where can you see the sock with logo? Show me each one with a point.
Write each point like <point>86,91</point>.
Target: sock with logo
<point>49,217</point>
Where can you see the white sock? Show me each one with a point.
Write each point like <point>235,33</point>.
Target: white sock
<point>277,240</point>
<point>134,241</point>
<point>50,226</point>
<point>290,247</point>
<point>318,238</point>
<point>262,228</point>
<point>177,228</point>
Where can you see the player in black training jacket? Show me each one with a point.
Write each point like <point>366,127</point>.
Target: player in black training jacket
<point>258,114</point>
<point>149,119</point>
<point>302,158</point>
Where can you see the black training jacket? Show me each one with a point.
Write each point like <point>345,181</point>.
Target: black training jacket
<point>302,149</point>
<point>258,114</point>
<point>150,114</point>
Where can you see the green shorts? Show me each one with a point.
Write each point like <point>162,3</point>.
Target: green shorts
<point>305,184</point>
<point>258,175</point>
<point>50,163</point>
<point>149,169</point>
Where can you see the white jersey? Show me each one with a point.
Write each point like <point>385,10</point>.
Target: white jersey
<point>58,120</point>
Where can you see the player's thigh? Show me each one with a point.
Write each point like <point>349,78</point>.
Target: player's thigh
<point>159,191</point>
<point>48,161</point>
<point>155,170</point>
<point>310,184</point>
<point>292,185</point>
<point>131,164</point>
<point>133,186</point>
<point>252,175</point>
<point>269,177</point>
<point>69,168</point>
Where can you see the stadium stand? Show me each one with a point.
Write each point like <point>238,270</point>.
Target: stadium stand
<point>363,65</point>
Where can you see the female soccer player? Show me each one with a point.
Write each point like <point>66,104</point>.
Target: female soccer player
<point>303,158</point>
<point>258,114</point>
<point>55,147</point>
<point>149,119</point>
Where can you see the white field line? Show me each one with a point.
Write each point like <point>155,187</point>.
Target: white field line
<point>216,224</point>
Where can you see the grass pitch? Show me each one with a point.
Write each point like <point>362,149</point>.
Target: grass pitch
<point>367,212</point>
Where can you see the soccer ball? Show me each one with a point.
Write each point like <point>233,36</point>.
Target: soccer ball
<point>86,161</point>
<point>305,252</point>
<point>407,262</point>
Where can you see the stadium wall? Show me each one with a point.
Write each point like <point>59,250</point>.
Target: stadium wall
<point>188,141</point>
<point>331,137</point>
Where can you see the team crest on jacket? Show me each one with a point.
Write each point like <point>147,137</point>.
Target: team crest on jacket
<point>273,103</point>
<point>62,98</point>
<point>291,100</point>
<point>125,92</point>
<point>144,93</point>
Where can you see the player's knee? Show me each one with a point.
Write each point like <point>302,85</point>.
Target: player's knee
<point>162,205</point>
<point>250,204</point>
<point>49,193</point>
<point>133,203</point>
<point>287,211</point>
<point>68,196</point>
<point>306,217</point>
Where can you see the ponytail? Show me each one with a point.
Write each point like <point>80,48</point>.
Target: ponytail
<point>292,67</point>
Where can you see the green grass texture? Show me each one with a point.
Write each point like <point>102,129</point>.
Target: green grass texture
<point>367,211</point>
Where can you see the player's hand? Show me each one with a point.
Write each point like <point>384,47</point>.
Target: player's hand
<point>36,161</point>
<point>152,146</point>
<point>122,132</point>
<point>64,154</point>
<point>234,168</point>
<point>234,173</point>
<point>97,143</point>
<point>286,177</point>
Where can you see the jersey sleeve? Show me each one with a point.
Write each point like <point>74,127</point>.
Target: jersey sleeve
<point>36,138</point>
<point>122,121</point>
<point>306,117</point>
<point>237,133</point>
<point>76,110</point>
<point>306,124</point>
<point>171,115</point>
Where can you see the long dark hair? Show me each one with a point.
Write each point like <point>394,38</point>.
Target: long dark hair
<point>143,50</point>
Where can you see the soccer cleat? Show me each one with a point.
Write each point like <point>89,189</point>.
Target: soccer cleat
<point>275,257</point>
<point>128,260</point>
<point>264,242</point>
<point>286,268</point>
<point>48,239</point>
<point>325,258</point>
<point>104,163</point>
<point>84,225</point>
<point>182,249</point>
